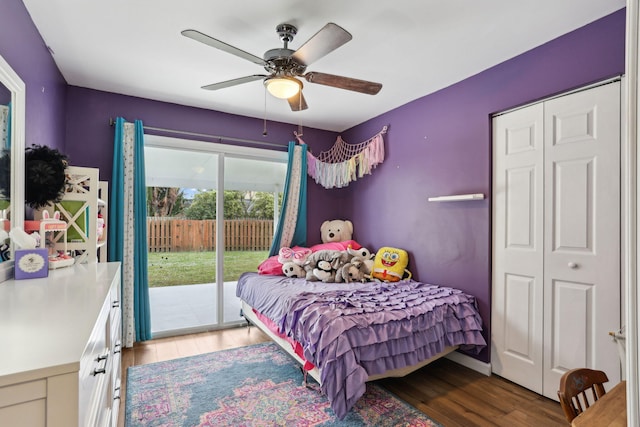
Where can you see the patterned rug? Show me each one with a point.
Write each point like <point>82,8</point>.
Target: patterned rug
<point>258,385</point>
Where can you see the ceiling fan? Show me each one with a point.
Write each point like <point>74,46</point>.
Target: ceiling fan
<point>285,65</point>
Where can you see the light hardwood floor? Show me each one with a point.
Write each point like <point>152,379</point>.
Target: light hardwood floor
<point>449,393</point>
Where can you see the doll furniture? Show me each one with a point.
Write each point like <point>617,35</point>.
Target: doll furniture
<point>85,197</point>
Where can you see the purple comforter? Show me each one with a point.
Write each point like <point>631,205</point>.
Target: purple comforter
<point>351,331</point>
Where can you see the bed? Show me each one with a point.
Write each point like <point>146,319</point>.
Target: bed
<point>345,334</point>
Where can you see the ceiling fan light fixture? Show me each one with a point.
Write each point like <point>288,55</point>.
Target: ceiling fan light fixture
<point>283,87</point>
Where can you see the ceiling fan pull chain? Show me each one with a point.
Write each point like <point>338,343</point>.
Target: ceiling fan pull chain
<point>264,128</point>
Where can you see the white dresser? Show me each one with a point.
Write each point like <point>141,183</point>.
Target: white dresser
<point>60,348</point>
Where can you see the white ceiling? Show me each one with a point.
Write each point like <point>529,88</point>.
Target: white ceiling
<point>412,47</point>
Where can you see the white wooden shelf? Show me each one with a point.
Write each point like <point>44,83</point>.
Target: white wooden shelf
<point>457,197</point>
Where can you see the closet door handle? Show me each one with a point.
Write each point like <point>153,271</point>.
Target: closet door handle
<point>572,265</point>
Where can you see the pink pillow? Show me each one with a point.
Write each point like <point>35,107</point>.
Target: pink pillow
<point>271,266</point>
<point>336,246</point>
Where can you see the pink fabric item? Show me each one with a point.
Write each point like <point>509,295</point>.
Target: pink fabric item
<point>336,246</point>
<point>271,266</point>
<point>297,347</point>
<point>311,164</point>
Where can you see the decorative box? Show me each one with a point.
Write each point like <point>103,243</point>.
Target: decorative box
<point>31,263</point>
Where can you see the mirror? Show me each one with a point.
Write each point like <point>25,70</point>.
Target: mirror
<point>12,90</point>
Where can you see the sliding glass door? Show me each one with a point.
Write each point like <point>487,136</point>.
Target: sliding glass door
<point>211,217</point>
<point>253,191</point>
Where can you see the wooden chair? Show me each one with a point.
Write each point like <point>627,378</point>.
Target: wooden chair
<point>574,387</point>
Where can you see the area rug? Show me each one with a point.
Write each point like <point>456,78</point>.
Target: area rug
<point>258,385</point>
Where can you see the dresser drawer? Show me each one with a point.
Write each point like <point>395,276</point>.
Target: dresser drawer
<point>16,393</point>
<point>30,414</point>
<point>117,400</point>
<point>100,413</point>
<point>23,404</point>
<point>95,366</point>
<point>114,295</point>
<point>115,334</point>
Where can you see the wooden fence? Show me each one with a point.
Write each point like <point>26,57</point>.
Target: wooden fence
<point>185,235</point>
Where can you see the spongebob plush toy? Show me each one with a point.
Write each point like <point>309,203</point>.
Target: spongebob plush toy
<point>390,264</point>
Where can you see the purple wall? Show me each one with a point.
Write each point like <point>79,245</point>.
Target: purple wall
<point>441,144</point>
<point>90,137</point>
<point>23,48</point>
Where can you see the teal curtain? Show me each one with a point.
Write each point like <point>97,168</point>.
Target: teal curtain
<point>140,253</point>
<point>115,232</point>
<point>128,228</point>
<point>292,227</point>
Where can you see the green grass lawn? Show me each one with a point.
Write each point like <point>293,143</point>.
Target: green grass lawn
<point>190,268</point>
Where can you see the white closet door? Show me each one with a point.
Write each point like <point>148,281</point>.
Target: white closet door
<point>556,247</point>
<point>582,233</point>
<point>517,312</point>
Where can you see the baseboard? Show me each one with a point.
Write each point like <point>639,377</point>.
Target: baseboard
<point>469,362</point>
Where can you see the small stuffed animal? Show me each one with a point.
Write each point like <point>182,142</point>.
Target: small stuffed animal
<point>291,269</point>
<point>365,256</point>
<point>334,260</point>
<point>390,264</point>
<point>336,231</point>
<point>352,271</point>
<point>324,272</point>
<point>298,255</point>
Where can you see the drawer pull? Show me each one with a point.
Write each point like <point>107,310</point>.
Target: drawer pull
<point>102,370</point>
<point>99,371</point>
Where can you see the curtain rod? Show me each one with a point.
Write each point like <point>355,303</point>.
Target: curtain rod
<point>204,135</point>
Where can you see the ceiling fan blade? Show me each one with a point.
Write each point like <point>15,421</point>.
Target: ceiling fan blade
<point>203,38</point>
<point>328,39</point>
<point>234,82</point>
<point>363,86</point>
<point>297,102</point>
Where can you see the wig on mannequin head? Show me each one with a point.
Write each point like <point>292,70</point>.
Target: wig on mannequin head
<point>44,176</point>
